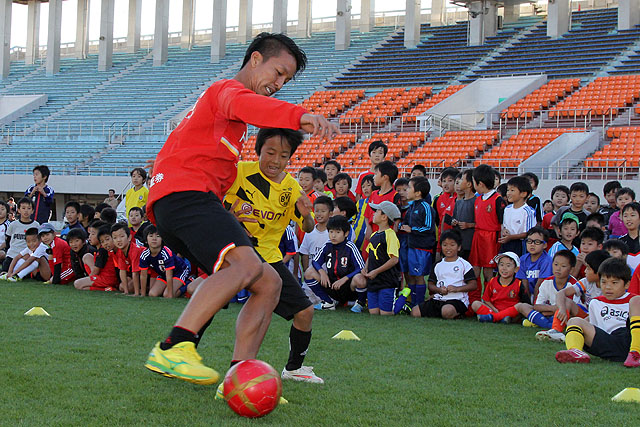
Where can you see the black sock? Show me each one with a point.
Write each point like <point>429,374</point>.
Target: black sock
<point>298,344</point>
<point>201,331</point>
<point>234,363</point>
<point>178,335</point>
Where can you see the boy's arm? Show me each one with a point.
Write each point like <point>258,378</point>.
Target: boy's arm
<point>545,308</point>
<point>561,302</point>
<point>123,281</point>
<point>305,262</point>
<point>575,271</point>
<point>469,285</point>
<point>500,205</point>
<point>169,274</point>
<point>144,275</point>
<point>287,258</point>
<point>393,260</point>
<point>136,282</point>
<point>57,271</point>
<point>10,272</point>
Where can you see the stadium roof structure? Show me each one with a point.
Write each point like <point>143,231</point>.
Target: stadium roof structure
<point>27,1</point>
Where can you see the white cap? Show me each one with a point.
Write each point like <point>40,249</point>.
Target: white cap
<point>511,255</point>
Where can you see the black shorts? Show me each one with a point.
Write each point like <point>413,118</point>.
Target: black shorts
<point>292,297</point>
<point>196,225</point>
<point>433,307</point>
<point>613,346</point>
<point>343,294</point>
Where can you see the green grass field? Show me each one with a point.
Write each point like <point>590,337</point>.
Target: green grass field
<point>84,366</point>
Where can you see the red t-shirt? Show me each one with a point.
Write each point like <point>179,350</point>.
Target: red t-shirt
<point>444,204</point>
<point>201,154</point>
<point>131,262</point>
<point>104,260</point>
<point>500,296</point>
<point>488,213</point>
<point>349,195</point>
<point>359,185</point>
<point>634,285</point>
<point>60,254</point>
<point>376,198</point>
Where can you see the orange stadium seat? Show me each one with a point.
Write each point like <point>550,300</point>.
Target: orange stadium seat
<point>331,103</point>
<point>624,149</point>
<point>541,98</point>
<point>451,148</point>
<point>410,116</point>
<point>388,103</point>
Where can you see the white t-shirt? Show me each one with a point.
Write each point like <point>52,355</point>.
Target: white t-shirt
<point>519,220</point>
<point>40,251</point>
<point>313,242</point>
<point>3,231</point>
<point>548,291</point>
<point>590,290</point>
<point>452,273</point>
<point>16,231</point>
<point>609,315</point>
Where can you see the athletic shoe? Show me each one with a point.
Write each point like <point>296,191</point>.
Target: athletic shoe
<point>572,356</point>
<point>405,292</point>
<point>220,395</point>
<point>551,335</point>
<point>527,324</point>
<point>633,360</point>
<point>506,319</point>
<point>304,373</point>
<point>485,318</point>
<point>181,361</point>
<point>13,279</point>
<point>3,276</point>
<point>357,308</point>
<point>325,306</point>
<point>406,309</point>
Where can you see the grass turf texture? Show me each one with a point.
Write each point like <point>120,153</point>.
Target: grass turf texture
<point>84,366</point>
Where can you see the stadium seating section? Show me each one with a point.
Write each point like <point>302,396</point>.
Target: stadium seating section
<point>544,97</point>
<point>623,151</point>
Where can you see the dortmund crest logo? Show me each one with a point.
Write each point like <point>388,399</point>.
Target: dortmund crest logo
<point>285,198</point>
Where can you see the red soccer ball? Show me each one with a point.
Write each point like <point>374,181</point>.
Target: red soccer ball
<point>252,388</point>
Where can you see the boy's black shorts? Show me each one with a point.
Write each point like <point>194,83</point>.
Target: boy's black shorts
<point>196,225</point>
<point>613,346</point>
<point>343,294</point>
<point>292,297</point>
<point>433,307</point>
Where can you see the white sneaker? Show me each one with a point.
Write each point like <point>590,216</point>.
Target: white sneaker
<point>12,279</point>
<point>325,306</point>
<point>551,335</point>
<point>304,373</point>
<point>3,276</point>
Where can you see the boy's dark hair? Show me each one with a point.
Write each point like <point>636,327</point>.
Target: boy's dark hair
<point>539,230</point>
<point>24,201</point>
<point>324,200</point>
<point>101,207</point>
<point>334,163</point>
<point>87,211</point>
<point>547,201</point>
<point>420,168</point>
<point>96,223</point>
<point>485,174</point>
<point>347,205</point>
<point>593,233</point>
<point>616,244</point>
<point>468,176</point>
<point>635,206</point>
<point>449,173</point>
<point>452,235</point>
<point>109,215</point>
<point>341,177</point>
<point>579,187</point>
<point>377,144</point>
<point>151,229</point>
<point>74,205</point>
<point>611,186</point>
<point>104,230</point>
<point>597,216</point>
<point>627,191</point>
<point>77,233</point>
<point>502,190</point>
<point>120,226</point>
<point>321,175</point>
<point>338,222</point>
<point>522,183</point>
<point>497,174</point>
<point>293,137</point>
<point>562,188</point>
<point>595,258</point>
<point>615,268</point>
<point>308,169</point>
<point>422,185</point>
<point>141,171</point>
<point>44,171</point>
<point>400,181</point>
<point>533,177</point>
<point>570,256</point>
<point>389,169</point>
<point>271,44</point>
<point>6,206</point>
<point>367,178</point>
<point>33,231</point>
<point>136,209</point>
<point>594,195</point>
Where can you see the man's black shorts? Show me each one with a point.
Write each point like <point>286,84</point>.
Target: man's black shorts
<point>433,307</point>
<point>196,225</point>
<point>292,297</point>
<point>613,346</point>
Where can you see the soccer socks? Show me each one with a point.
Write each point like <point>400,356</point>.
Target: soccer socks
<point>483,309</point>
<point>361,294</point>
<point>401,300</point>
<point>574,337</point>
<point>317,289</point>
<point>298,347</point>
<point>507,312</point>
<point>635,333</point>
<point>557,324</point>
<point>539,319</point>
<point>28,270</point>
<point>418,296</point>
<point>178,335</point>
<point>201,331</point>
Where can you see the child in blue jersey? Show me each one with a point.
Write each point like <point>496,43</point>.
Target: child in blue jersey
<point>289,249</point>
<point>173,271</point>
<point>535,265</point>
<point>336,268</point>
<point>569,230</point>
<point>419,225</point>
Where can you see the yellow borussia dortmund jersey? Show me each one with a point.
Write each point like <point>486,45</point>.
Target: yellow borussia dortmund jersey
<point>272,204</point>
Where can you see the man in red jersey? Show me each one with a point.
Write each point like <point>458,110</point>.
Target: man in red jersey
<point>192,173</point>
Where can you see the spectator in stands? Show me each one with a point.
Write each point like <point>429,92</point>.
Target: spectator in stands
<point>127,259</point>
<point>15,241</point>
<point>418,170</point>
<point>518,218</point>
<point>377,153</point>
<point>4,225</point>
<point>331,168</point>
<point>578,193</point>
<point>320,183</point>
<point>624,196</point>
<point>536,263</point>
<point>360,223</point>
<point>559,198</point>
<point>137,225</point>
<point>446,201</point>
<point>40,194</point>
<point>610,190</point>
<point>86,215</point>
<point>111,199</point>
<point>103,273</point>
<point>99,209</point>
<point>138,194</point>
<point>59,255</point>
<point>616,248</point>
<point>31,261</point>
<point>631,219</point>
<point>592,204</point>
<point>464,211</point>
<point>533,200</point>
<point>591,240</point>
<point>71,213</point>
<point>342,186</point>
<point>79,247</point>
<point>386,174</point>
<point>109,215</point>
<point>547,207</point>
<point>568,233</point>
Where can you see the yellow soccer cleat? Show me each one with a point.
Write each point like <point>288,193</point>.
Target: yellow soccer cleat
<point>528,324</point>
<point>181,361</point>
<point>220,395</point>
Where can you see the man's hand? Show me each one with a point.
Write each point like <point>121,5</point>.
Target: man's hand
<point>304,204</point>
<point>318,125</point>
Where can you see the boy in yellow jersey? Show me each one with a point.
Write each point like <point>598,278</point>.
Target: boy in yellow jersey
<point>138,194</point>
<point>265,199</point>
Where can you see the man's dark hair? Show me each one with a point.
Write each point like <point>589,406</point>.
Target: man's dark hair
<point>141,171</point>
<point>104,230</point>
<point>87,211</point>
<point>321,175</point>
<point>594,195</point>
<point>627,191</point>
<point>422,185</point>
<point>109,215</point>
<point>420,168</point>
<point>74,205</point>
<point>271,44</point>
<point>293,137</point>
<point>449,173</point>
<point>389,169</point>
<point>96,223</point>
<point>377,144</point>
<point>137,209</point>
<point>611,186</point>
<point>339,222</point>
<point>579,187</point>
<point>342,176</point>
<point>24,201</point>
<point>44,171</point>
<point>485,174</point>
<point>151,229</point>
<point>111,189</point>
<point>452,235</point>
<point>562,188</point>
<point>77,233</point>
<point>309,170</point>
<point>633,206</point>
<point>33,231</point>
<point>101,207</point>
<point>539,230</point>
<point>598,217</point>
<point>593,233</point>
<point>347,205</point>
<point>615,268</point>
<point>334,163</point>
<point>596,258</point>
<point>399,182</point>
<point>532,176</point>
<point>120,226</point>
<point>522,184</point>
<point>616,244</point>
<point>324,200</point>
<point>570,256</point>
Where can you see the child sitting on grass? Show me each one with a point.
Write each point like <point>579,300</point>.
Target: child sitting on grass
<point>31,261</point>
<point>103,274</point>
<point>15,234</point>
<point>59,255</point>
<point>78,249</point>
<point>502,292</point>
<point>613,329</point>
<point>127,258</point>
<point>449,282</point>
<point>541,313</point>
